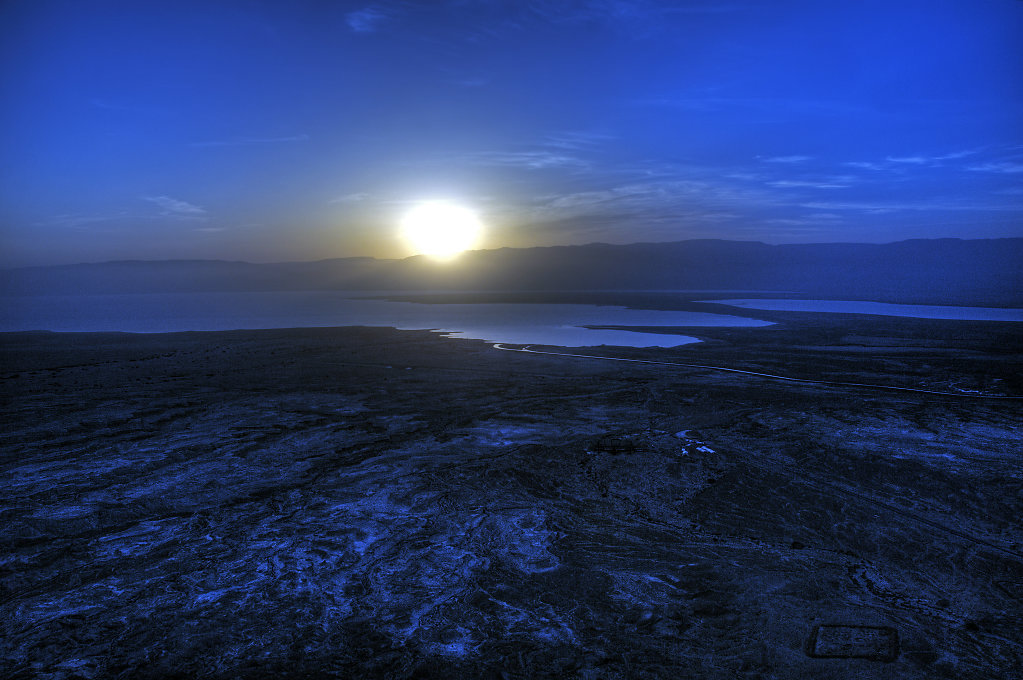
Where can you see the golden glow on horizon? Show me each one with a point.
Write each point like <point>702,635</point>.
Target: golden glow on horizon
<point>441,230</point>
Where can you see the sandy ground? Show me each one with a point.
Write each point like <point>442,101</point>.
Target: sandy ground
<point>379,503</point>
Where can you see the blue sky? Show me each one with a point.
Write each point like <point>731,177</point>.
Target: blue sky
<point>270,131</point>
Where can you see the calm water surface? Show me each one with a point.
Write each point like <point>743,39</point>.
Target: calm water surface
<point>549,324</point>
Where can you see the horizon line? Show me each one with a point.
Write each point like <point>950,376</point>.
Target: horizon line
<point>486,250</point>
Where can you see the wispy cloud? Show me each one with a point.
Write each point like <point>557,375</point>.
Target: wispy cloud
<point>746,176</point>
<point>529,160</point>
<point>931,159</point>
<point>76,220</point>
<point>577,140</point>
<point>367,19</point>
<point>565,151</point>
<point>563,11</point>
<point>655,199</point>
<point>771,105</point>
<point>642,16</point>
<point>173,207</point>
<point>864,165</point>
<point>956,155</point>
<point>914,160</point>
<point>795,183</point>
<point>350,198</point>
<point>811,222</point>
<point>716,7</point>
<point>1004,167</point>
<point>793,192</point>
<point>787,159</point>
<point>791,222</point>
<point>246,141</point>
<point>885,207</point>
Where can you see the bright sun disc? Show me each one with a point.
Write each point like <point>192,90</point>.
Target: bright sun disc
<point>440,230</point>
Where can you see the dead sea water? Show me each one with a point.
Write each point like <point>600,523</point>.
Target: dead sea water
<point>549,324</point>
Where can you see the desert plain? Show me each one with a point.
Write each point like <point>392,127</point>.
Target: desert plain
<point>366,502</point>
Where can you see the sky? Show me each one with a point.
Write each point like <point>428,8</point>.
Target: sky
<point>280,131</point>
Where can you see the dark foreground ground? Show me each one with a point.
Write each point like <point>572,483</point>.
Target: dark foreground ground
<point>372,503</point>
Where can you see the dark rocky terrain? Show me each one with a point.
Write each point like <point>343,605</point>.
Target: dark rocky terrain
<point>364,502</point>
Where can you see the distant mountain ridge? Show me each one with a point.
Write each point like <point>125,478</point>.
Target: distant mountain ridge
<point>939,271</point>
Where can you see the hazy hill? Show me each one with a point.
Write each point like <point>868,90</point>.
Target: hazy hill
<point>949,271</point>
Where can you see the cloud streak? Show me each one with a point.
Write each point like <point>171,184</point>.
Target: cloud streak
<point>914,160</point>
<point>173,207</point>
<point>787,159</point>
<point>367,19</point>
<point>633,16</point>
<point>351,198</point>
<point>863,165</point>
<point>883,207</point>
<point>936,159</point>
<point>577,140</point>
<point>247,141</point>
<point>76,221</point>
<point>772,105</point>
<point>1003,167</point>
<point>656,200</point>
<point>529,160</point>
<point>795,183</point>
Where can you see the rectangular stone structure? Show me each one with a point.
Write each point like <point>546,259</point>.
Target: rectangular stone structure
<point>878,643</point>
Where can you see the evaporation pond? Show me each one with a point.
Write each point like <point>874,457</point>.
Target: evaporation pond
<point>880,309</point>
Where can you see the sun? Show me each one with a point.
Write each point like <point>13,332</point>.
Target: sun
<point>440,230</point>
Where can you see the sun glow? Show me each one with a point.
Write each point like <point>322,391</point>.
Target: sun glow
<point>440,230</point>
